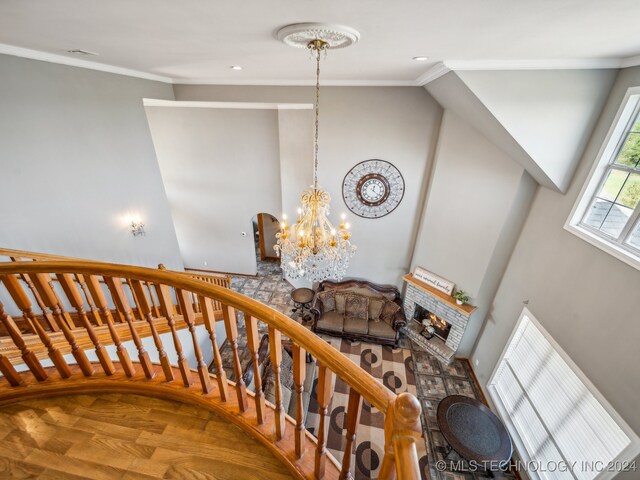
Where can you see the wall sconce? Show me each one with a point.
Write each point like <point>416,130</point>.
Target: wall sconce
<point>137,227</point>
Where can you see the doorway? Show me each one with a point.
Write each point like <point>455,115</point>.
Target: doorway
<point>265,227</point>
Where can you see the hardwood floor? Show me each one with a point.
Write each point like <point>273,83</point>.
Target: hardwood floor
<point>121,436</point>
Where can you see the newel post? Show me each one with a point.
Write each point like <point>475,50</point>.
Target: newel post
<point>402,429</point>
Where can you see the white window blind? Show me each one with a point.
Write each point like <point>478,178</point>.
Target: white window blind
<point>553,412</point>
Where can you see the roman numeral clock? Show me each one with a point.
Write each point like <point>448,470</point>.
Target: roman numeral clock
<point>373,188</point>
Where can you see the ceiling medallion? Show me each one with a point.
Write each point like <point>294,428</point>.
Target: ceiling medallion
<point>312,248</point>
<point>300,35</point>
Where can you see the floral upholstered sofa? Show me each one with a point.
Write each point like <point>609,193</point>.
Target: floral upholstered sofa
<point>358,310</point>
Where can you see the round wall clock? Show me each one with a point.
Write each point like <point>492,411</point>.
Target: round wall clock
<point>373,188</point>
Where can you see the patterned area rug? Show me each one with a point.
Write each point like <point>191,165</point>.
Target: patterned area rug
<point>394,368</point>
<point>408,368</point>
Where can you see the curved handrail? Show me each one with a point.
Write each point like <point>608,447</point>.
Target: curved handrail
<point>402,425</point>
<point>354,376</point>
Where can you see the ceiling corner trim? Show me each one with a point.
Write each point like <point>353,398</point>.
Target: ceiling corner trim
<point>433,73</point>
<point>631,62</point>
<point>76,62</point>
<point>537,64</point>
<point>155,102</point>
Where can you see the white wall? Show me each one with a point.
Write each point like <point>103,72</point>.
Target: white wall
<point>395,124</point>
<point>466,229</point>
<point>550,113</point>
<point>75,158</point>
<point>220,168</point>
<point>585,298</point>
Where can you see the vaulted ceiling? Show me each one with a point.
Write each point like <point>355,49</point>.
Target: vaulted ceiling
<point>196,41</point>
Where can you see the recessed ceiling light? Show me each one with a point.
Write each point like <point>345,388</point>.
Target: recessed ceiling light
<point>421,59</point>
<point>78,51</point>
<point>235,67</point>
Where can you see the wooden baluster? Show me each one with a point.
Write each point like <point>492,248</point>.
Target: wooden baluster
<point>137,314</point>
<point>208,317</point>
<point>325,380</point>
<point>60,306</point>
<point>145,307</point>
<point>166,305</point>
<point>299,373</point>
<point>196,305</point>
<point>42,284</point>
<point>231,327</point>
<point>27,355</point>
<point>93,284</point>
<point>9,373</point>
<point>402,429</point>
<point>122,304</point>
<point>253,341</point>
<point>53,326</point>
<point>184,299</point>
<point>354,407</point>
<point>275,352</point>
<point>94,311</point>
<point>75,298</point>
<point>20,297</point>
<point>154,307</point>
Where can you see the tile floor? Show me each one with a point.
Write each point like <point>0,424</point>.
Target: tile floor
<point>434,380</point>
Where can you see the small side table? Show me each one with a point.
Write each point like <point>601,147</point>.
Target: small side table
<point>302,298</point>
<point>474,432</point>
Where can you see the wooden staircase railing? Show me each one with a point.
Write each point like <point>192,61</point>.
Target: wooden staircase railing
<point>91,305</point>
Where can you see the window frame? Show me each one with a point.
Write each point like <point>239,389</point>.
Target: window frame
<point>629,453</point>
<point>605,162</point>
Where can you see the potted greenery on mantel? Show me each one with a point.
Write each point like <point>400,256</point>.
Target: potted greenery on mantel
<point>461,297</point>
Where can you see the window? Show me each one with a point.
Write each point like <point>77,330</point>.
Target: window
<point>607,213</point>
<point>554,414</point>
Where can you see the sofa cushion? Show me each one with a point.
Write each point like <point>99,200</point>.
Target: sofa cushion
<point>381,330</point>
<point>389,309</point>
<point>367,292</point>
<point>341,299</point>
<point>356,325</point>
<point>331,321</point>
<point>375,308</point>
<point>286,380</point>
<point>356,306</point>
<point>327,298</point>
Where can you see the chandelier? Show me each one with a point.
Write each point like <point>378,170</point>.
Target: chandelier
<point>312,248</point>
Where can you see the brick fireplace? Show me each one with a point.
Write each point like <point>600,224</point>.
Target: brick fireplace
<point>422,301</point>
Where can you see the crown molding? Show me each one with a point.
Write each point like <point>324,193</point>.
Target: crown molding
<point>296,83</point>
<point>545,64</point>
<point>77,62</point>
<point>433,73</point>
<point>631,62</point>
<point>155,102</point>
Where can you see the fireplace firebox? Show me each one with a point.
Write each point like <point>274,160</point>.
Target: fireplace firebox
<point>441,326</point>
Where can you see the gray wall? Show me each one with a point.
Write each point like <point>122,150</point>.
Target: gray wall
<point>76,157</point>
<point>584,297</point>
<point>220,168</point>
<point>550,113</point>
<point>395,124</point>
<point>474,210</point>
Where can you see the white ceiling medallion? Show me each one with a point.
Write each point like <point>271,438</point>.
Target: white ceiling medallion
<point>300,34</point>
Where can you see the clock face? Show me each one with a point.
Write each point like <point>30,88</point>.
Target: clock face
<point>373,188</point>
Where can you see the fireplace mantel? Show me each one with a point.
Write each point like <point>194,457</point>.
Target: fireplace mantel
<point>442,305</point>
<point>465,309</point>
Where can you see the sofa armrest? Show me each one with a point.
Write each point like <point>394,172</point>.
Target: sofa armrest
<point>316,307</point>
<point>399,320</point>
